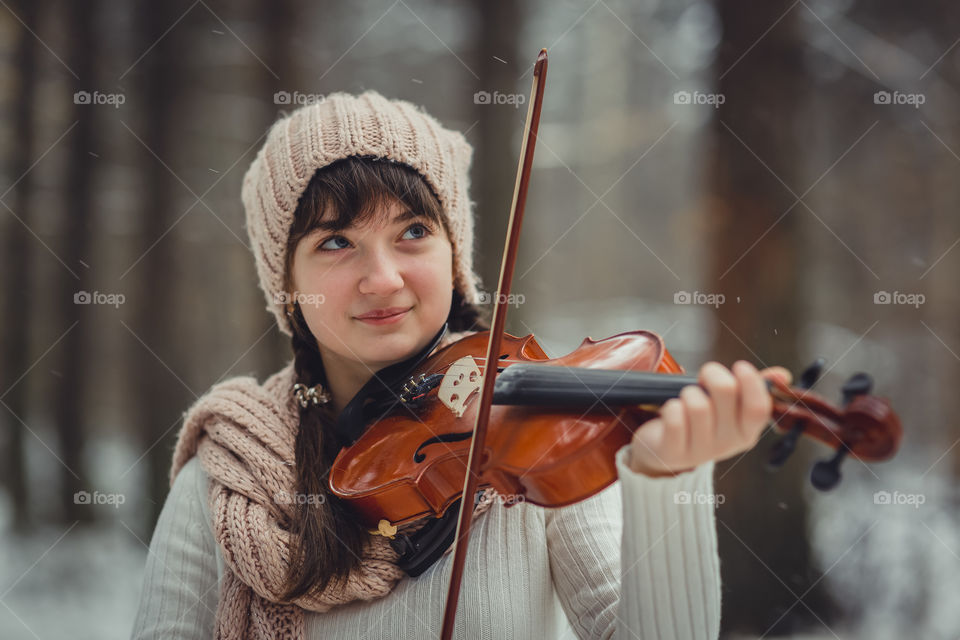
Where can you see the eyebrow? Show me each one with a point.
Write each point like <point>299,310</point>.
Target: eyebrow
<point>332,225</point>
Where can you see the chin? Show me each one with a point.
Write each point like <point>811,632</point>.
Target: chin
<point>392,347</point>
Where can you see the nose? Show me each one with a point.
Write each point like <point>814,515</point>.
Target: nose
<point>381,274</point>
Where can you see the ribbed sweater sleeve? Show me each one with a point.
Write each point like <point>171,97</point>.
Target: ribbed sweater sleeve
<point>180,587</point>
<point>664,583</point>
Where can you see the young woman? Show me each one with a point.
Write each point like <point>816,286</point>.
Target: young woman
<point>362,231</point>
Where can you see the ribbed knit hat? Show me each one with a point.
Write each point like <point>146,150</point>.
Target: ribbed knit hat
<point>340,126</point>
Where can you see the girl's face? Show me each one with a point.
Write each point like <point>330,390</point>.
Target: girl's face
<point>397,261</point>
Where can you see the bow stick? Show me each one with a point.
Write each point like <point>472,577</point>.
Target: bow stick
<point>471,481</point>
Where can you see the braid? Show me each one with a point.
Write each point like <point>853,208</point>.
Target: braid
<point>334,538</point>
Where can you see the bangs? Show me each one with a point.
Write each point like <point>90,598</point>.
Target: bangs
<point>356,190</point>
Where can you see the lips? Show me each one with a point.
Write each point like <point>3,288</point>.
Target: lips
<point>382,313</point>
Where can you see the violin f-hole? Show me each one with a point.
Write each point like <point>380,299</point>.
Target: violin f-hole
<point>419,456</point>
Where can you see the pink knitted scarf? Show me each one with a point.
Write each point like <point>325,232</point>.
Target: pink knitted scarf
<point>244,434</point>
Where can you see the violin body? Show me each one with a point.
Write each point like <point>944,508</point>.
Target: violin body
<point>411,463</point>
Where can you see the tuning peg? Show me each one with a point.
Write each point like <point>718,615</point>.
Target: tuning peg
<point>858,384</point>
<point>812,373</point>
<point>785,446</point>
<point>826,473</point>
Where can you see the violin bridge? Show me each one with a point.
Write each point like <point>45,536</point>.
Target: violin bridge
<point>460,381</point>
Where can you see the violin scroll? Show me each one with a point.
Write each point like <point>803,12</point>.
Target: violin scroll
<point>865,426</point>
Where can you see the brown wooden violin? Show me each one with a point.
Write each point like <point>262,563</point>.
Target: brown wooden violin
<point>555,425</point>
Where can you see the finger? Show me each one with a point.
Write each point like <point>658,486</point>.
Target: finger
<point>676,430</point>
<point>778,372</point>
<point>646,442</point>
<point>722,387</point>
<point>700,419</point>
<point>649,437</point>
<point>755,402</point>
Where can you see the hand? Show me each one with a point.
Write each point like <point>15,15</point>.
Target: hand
<point>698,427</point>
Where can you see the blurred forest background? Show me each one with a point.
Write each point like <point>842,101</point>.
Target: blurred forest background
<point>768,180</point>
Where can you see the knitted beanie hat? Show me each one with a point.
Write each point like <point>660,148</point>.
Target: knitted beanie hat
<point>339,126</point>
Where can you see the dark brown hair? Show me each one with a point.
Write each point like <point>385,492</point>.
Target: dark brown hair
<point>328,542</point>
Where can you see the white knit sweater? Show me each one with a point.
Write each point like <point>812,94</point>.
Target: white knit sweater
<point>530,573</point>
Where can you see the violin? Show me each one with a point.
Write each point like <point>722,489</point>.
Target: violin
<point>555,425</point>
<point>424,433</point>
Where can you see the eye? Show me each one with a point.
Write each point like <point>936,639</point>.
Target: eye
<point>419,230</point>
<point>424,230</point>
<point>323,245</point>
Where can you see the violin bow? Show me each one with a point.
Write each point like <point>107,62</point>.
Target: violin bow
<point>472,479</point>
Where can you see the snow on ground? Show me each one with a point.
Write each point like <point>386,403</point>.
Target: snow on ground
<point>74,583</point>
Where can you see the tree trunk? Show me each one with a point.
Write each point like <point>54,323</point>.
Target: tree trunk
<point>761,77</point>
<point>160,396</point>
<point>16,267</point>
<point>76,241</point>
<point>499,62</point>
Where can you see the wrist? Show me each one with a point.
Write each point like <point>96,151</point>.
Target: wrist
<point>653,473</point>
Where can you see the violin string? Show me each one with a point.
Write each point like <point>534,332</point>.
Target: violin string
<point>482,366</point>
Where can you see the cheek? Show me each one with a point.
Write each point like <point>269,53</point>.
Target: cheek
<point>332,309</point>
<point>318,297</point>
<point>442,285</point>
<point>439,275</point>
<point>317,280</point>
